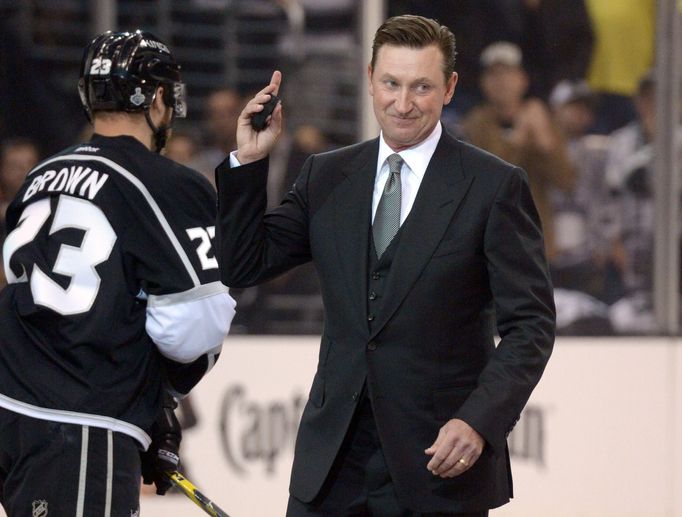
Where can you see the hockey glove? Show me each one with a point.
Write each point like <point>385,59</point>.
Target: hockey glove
<point>162,454</point>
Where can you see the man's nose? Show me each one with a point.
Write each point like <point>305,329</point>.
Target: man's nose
<point>403,101</point>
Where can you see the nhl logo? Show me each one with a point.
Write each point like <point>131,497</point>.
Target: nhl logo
<point>39,508</point>
<point>137,98</point>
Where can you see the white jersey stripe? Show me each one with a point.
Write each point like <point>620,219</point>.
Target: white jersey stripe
<point>83,471</point>
<point>145,193</point>
<point>110,472</point>
<point>196,293</point>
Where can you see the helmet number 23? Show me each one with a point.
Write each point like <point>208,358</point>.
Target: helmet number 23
<point>76,262</point>
<point>100,66</point>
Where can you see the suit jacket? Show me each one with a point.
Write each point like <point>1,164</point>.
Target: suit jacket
<point>469,261</point>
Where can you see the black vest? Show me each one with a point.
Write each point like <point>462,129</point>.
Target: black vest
<point>378,270</point>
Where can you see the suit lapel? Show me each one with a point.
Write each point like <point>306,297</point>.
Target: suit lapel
<point>442,189</point>
<point>353,208</point>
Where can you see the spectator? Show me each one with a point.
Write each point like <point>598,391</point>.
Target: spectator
<point>556,42</point>
<point>630,146</point>
<point>520,130</point>
<point>221,111</point>
<point>584,219</point>
<point>573,105</point>
<point>623,52</point>
<point>307,139</point>
<point>628,176</point>
<point>182,147</point>
<point>17,157</point>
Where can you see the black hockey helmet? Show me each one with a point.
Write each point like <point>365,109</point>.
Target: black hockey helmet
<point>121,71</point>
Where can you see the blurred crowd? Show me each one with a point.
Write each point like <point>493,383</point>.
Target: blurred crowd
<point>562,88</point>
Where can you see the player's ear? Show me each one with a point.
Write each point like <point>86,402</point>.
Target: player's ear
<point>159,103</point>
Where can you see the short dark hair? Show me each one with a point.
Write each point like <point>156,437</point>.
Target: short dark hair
<point>413,31</point>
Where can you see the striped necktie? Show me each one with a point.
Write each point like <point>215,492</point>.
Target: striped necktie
<point>387,217</point>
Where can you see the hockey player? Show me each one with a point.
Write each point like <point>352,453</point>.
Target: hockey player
<point>113,297</point>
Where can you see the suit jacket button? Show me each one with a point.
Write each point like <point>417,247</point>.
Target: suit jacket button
<point>372,295</point>
<point>370,317</point>
<point>356,395</point>
<point>371,345</point>
<point>375,276</point>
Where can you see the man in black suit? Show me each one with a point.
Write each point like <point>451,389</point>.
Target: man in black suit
<point>424,246</point>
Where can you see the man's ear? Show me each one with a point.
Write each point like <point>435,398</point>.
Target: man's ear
<point>450,88</point>
<point>369,79</point>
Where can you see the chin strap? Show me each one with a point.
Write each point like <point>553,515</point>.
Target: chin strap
<point>160,133</point>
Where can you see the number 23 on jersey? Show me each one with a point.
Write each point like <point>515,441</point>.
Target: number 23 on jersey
<point>78,263</point>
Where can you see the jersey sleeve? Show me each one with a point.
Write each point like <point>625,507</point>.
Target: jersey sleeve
<point>189,311</point>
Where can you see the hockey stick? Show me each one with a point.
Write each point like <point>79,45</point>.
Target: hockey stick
<point>193,493</point>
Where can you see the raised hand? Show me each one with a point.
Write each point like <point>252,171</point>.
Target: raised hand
<point>254,145</point>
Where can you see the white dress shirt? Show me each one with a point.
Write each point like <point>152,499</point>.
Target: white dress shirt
<point>415,161</point>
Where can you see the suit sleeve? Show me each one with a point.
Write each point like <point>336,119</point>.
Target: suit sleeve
<point>254,246</point>
<point>524,304</point>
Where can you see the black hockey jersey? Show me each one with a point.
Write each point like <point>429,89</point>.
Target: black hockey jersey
<point>111,277</point>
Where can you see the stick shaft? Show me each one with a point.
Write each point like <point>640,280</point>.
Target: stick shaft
<point>191,491</point>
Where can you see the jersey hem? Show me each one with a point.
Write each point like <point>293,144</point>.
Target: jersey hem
<point>73,417</point>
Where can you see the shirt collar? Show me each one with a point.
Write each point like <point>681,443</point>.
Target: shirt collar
<point>418,157</point>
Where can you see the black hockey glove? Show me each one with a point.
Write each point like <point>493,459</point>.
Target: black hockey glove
<point>162,455</point>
